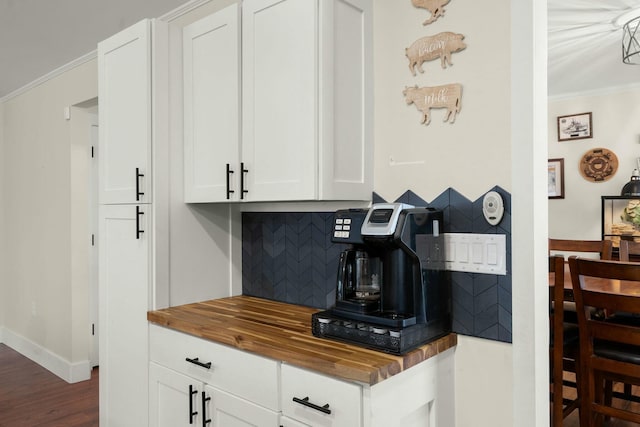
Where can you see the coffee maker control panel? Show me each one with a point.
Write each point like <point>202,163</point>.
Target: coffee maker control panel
<point>382,219</point>
<point>347,224</point>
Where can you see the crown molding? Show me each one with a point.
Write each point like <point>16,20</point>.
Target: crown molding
<point>182,10</point>
<point>51,75</point>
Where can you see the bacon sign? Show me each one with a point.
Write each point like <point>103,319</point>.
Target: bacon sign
<point>441,46</point>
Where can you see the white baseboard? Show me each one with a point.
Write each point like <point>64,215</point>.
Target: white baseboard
<point>70,372</point>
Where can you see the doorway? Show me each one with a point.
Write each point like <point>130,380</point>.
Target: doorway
<point>84,227</point>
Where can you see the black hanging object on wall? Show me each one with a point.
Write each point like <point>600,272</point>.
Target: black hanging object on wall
<point>632,188</point>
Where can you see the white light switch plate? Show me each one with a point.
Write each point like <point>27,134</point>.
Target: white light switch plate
<point>476,253</point>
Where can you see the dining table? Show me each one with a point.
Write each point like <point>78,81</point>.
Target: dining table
<point>623,287</point>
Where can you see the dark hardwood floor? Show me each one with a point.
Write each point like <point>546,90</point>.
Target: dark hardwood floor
<point>574,421</point>
<point>32,396</point>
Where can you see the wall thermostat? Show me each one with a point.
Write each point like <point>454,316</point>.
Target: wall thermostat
<point>493,207</point>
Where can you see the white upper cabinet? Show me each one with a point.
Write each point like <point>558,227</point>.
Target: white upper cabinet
<point>211,52</point>
<point>124,81</point>
<point>280,99</point>
<point>306,110</point>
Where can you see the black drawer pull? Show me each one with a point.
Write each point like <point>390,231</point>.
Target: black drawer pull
<point>205,399</point>
<point>196,361</point>
<point>242,172</point>
<point>229,190</point>
<point>139,231</point>
<point>192,413</point>
<point>306,402</point>
<point>138,192</point>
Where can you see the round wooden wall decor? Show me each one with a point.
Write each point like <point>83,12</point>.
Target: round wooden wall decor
<point>598,165</point>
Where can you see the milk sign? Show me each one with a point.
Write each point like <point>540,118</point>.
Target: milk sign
<point>426,98</point>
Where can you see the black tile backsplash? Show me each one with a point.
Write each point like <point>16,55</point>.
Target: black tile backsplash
<point>289,256</point>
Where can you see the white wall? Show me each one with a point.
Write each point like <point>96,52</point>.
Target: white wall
<point>615,127</point>
<point>36,174</point>
<point>472,155</point>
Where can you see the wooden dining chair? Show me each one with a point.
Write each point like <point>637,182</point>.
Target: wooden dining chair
<point>629,251</point>
<point>604,248</point>
<point>563,349</point>
<point>609,347</point>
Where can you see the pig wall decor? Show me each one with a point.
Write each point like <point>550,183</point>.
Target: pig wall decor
<point>428,48</point>
<point>436,7</point>
<point>425,98</point>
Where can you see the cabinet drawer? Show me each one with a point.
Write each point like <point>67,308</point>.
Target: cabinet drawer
<point>344,399</point>
<point>253,377</point>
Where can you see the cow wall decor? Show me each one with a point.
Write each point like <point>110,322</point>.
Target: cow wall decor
<point>425,98</point>
<point>428,48</point>
<point>436,7</point>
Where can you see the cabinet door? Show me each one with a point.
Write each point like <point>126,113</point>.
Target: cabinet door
<point>227,410</point>
<point>279,99</point>
<point>211,52</point>
<point>123,281</point>
<point>318,400</point>
<point>174,399</point>
<point>124,89</point>
<point>288,422</point>
<point>346,95</point>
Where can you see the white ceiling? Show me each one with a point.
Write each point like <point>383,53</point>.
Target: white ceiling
<point>38,36</point>
<point>585,48</point>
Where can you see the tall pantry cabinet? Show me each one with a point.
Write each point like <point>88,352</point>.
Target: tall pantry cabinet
<point>125,239</point>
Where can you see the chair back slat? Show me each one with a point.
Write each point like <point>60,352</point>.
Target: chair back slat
<point>614,302</point>
<point>609,269</point>
<point>602,247</point>
<point>600,329</point>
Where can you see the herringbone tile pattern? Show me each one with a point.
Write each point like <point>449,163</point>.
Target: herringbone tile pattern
<point>290,257</point>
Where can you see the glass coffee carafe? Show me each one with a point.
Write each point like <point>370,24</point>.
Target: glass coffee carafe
<point>358,281</point>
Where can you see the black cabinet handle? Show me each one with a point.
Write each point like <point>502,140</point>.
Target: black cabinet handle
<point>138,230</point>
<point>242,172</point>
<point>205,399</point>
<point>325,409</point>
<point>197,361</point>
<point>229,190</point>
<point>138,192</point>
<point>192,413</point>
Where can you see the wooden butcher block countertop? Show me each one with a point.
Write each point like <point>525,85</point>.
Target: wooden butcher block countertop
<point>283,332</point>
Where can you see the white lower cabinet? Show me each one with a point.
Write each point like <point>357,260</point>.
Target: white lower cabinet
<point>177,400</point>
<point>192,381</point>
<point>288,422</point>
<point>233,388</point>
<point>227,410</point>
<point>318,400</point>
<point>171,403</point>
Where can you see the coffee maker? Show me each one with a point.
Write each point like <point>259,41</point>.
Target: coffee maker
<point>392,291</point>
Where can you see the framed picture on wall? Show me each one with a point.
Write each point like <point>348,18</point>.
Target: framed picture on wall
<point>575,126</point>
<point>556,178</point>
